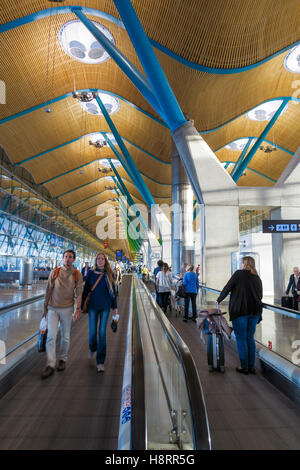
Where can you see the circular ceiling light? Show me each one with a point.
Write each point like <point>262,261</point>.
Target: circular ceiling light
<point>265,111</point>
<point>238,144</point>
<point>292,60</point>
<point>111,104</point>
<point>80,44</point>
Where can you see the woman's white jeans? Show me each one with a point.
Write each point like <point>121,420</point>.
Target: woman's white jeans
<point>56,316</point>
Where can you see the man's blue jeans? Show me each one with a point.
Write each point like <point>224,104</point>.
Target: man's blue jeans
<point>244,329</point>
<point>96,344</point>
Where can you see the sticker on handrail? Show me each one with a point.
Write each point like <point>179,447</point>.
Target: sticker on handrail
<point>126,405</point>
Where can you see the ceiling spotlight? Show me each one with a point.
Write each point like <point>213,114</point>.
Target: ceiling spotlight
<point>268,148</point>
<point>105,171</point>
<point>98,144</point>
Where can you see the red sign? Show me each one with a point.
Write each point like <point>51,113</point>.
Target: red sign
<point>105,243</point>
<point>270,346</point>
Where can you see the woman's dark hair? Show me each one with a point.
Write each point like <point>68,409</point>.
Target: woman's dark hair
<point>160,263</point>
<point>70,251</point>
<point>165,266</point>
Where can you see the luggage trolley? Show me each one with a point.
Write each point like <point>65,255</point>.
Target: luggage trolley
<point>215,340</point>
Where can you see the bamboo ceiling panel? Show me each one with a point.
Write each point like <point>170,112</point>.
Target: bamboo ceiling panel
<point>254,180</point>
<point>222,33</point>
<point>65,159</point>
<point>38,131</point>
<point>212,100</point>
<point>91,189</point>
<point>38,69</point>
<point>93,202</point>
<point>285,126</point>
<point>200,96</point>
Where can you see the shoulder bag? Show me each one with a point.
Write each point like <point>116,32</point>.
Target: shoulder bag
<point>86,302</point>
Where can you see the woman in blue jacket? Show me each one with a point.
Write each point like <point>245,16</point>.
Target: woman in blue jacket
<point>191,284</point>
<point>102,299</point>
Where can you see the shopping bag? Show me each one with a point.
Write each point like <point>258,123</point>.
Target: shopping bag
<point>42,336</point>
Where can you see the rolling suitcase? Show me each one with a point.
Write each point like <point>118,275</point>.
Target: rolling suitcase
<point>287,302</point>
<point>215,350</point>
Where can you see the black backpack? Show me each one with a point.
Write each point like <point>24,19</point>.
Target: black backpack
<point>180,292</point>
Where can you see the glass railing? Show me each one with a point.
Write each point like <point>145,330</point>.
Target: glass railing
<point>278,331</point>
<point>175,410</point>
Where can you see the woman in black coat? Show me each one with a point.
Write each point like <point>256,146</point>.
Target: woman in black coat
<point>245,310</point>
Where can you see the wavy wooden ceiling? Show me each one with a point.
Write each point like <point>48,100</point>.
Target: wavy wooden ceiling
<point>224,34</point>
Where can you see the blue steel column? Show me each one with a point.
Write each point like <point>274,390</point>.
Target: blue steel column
<point>243,165</point>
<point>182,216</point>
<point>133,169</point>
<point>136,77</point>
<point>241,158</point>
<point>151,65</point>
<point>173,115</point>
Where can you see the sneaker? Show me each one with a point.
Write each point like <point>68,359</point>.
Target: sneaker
<point>100,367</point>
<point>61,365</point>
<point>185,320</point>
<point>91,354</point>
<point>47,372</point>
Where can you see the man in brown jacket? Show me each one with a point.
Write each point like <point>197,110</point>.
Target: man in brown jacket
<point>63,284</point>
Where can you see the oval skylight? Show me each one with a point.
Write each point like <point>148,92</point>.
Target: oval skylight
<point>106,163</point>
<point>97,137</point>
<point>80,44</point>
<point>238,144</point>
<point>292,60</point>
<point>265,111</point>
<point>111,104</point>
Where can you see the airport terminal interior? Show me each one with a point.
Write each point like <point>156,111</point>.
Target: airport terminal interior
<point>135,132</point>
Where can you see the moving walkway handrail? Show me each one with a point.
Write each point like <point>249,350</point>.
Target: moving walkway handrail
<point>202,439</point>
<point>275,308</point>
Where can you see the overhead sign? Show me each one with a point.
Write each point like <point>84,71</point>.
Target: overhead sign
<point>281,226</point>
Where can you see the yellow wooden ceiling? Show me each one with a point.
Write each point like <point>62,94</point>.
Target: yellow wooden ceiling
<point>222,34</point>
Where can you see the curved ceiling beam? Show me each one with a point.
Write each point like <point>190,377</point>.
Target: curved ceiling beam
<point>252,137</point>
<point>100,14</point>
<point>254,171</point>
<point>82,137</point>
<point>97,179</point>
<point>61,175</point>
<point>288,98</point>
<point>68,95</point>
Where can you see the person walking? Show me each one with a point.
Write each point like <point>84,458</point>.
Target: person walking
<point>191,285</point>
<point>158,268</point>
<point>164,287</point>
<point>85,270</point>
<point>292,285</point>
<point>245,310</point>
<point>64,284</point>
<point>103,297</point>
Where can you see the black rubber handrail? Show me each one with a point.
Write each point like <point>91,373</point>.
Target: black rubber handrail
<point>138,427</point>
<point>264,305</point>
<point>21,303</point>
<point>202,439</point>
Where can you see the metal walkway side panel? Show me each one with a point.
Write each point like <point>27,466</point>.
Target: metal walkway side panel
<point>244,412</point>
<point>75,409</point>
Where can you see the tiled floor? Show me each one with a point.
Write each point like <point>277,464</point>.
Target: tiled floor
<point>12,294</point>
<point>75,409</point>
<point>244,412</point>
